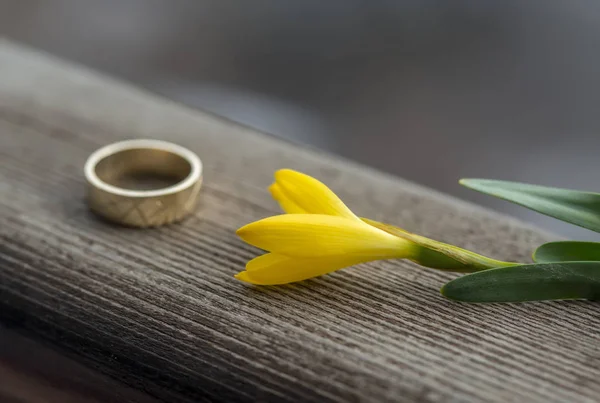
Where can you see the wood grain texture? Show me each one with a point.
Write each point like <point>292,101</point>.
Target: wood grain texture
<point>33,372</point>
<point>160,310</point>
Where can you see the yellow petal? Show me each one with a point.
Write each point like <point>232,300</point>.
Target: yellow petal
<point>310,195</point>
<point>286,204</point>
<point>314,235</point>
<point>271,269</point>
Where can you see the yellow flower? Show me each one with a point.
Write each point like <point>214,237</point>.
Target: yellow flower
<point>308,245</point>
<point>320,235</point>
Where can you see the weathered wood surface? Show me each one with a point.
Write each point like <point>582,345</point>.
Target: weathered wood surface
<point>32,371</point>
<point>160,310</point>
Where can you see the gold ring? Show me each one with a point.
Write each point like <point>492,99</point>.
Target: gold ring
<point>143,183</point>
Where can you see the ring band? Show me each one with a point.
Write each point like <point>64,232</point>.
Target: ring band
<point>110,169</point>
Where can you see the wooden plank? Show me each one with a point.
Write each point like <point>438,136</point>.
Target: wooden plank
<point>31,372</point>
<point>160,310</point>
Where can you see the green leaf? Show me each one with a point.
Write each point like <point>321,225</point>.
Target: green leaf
<point>567,251</point>
<point>532,282</point>
<point>572,206</point>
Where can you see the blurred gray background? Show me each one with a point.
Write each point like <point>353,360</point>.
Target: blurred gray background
<point>430,90</point>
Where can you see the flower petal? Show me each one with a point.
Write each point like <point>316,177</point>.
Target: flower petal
<point>272,269</point>
<point>310,195</point>
<point>286,204</point>
<point>314,235</point>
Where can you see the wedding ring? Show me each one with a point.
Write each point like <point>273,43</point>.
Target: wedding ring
<point>143,183</point>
